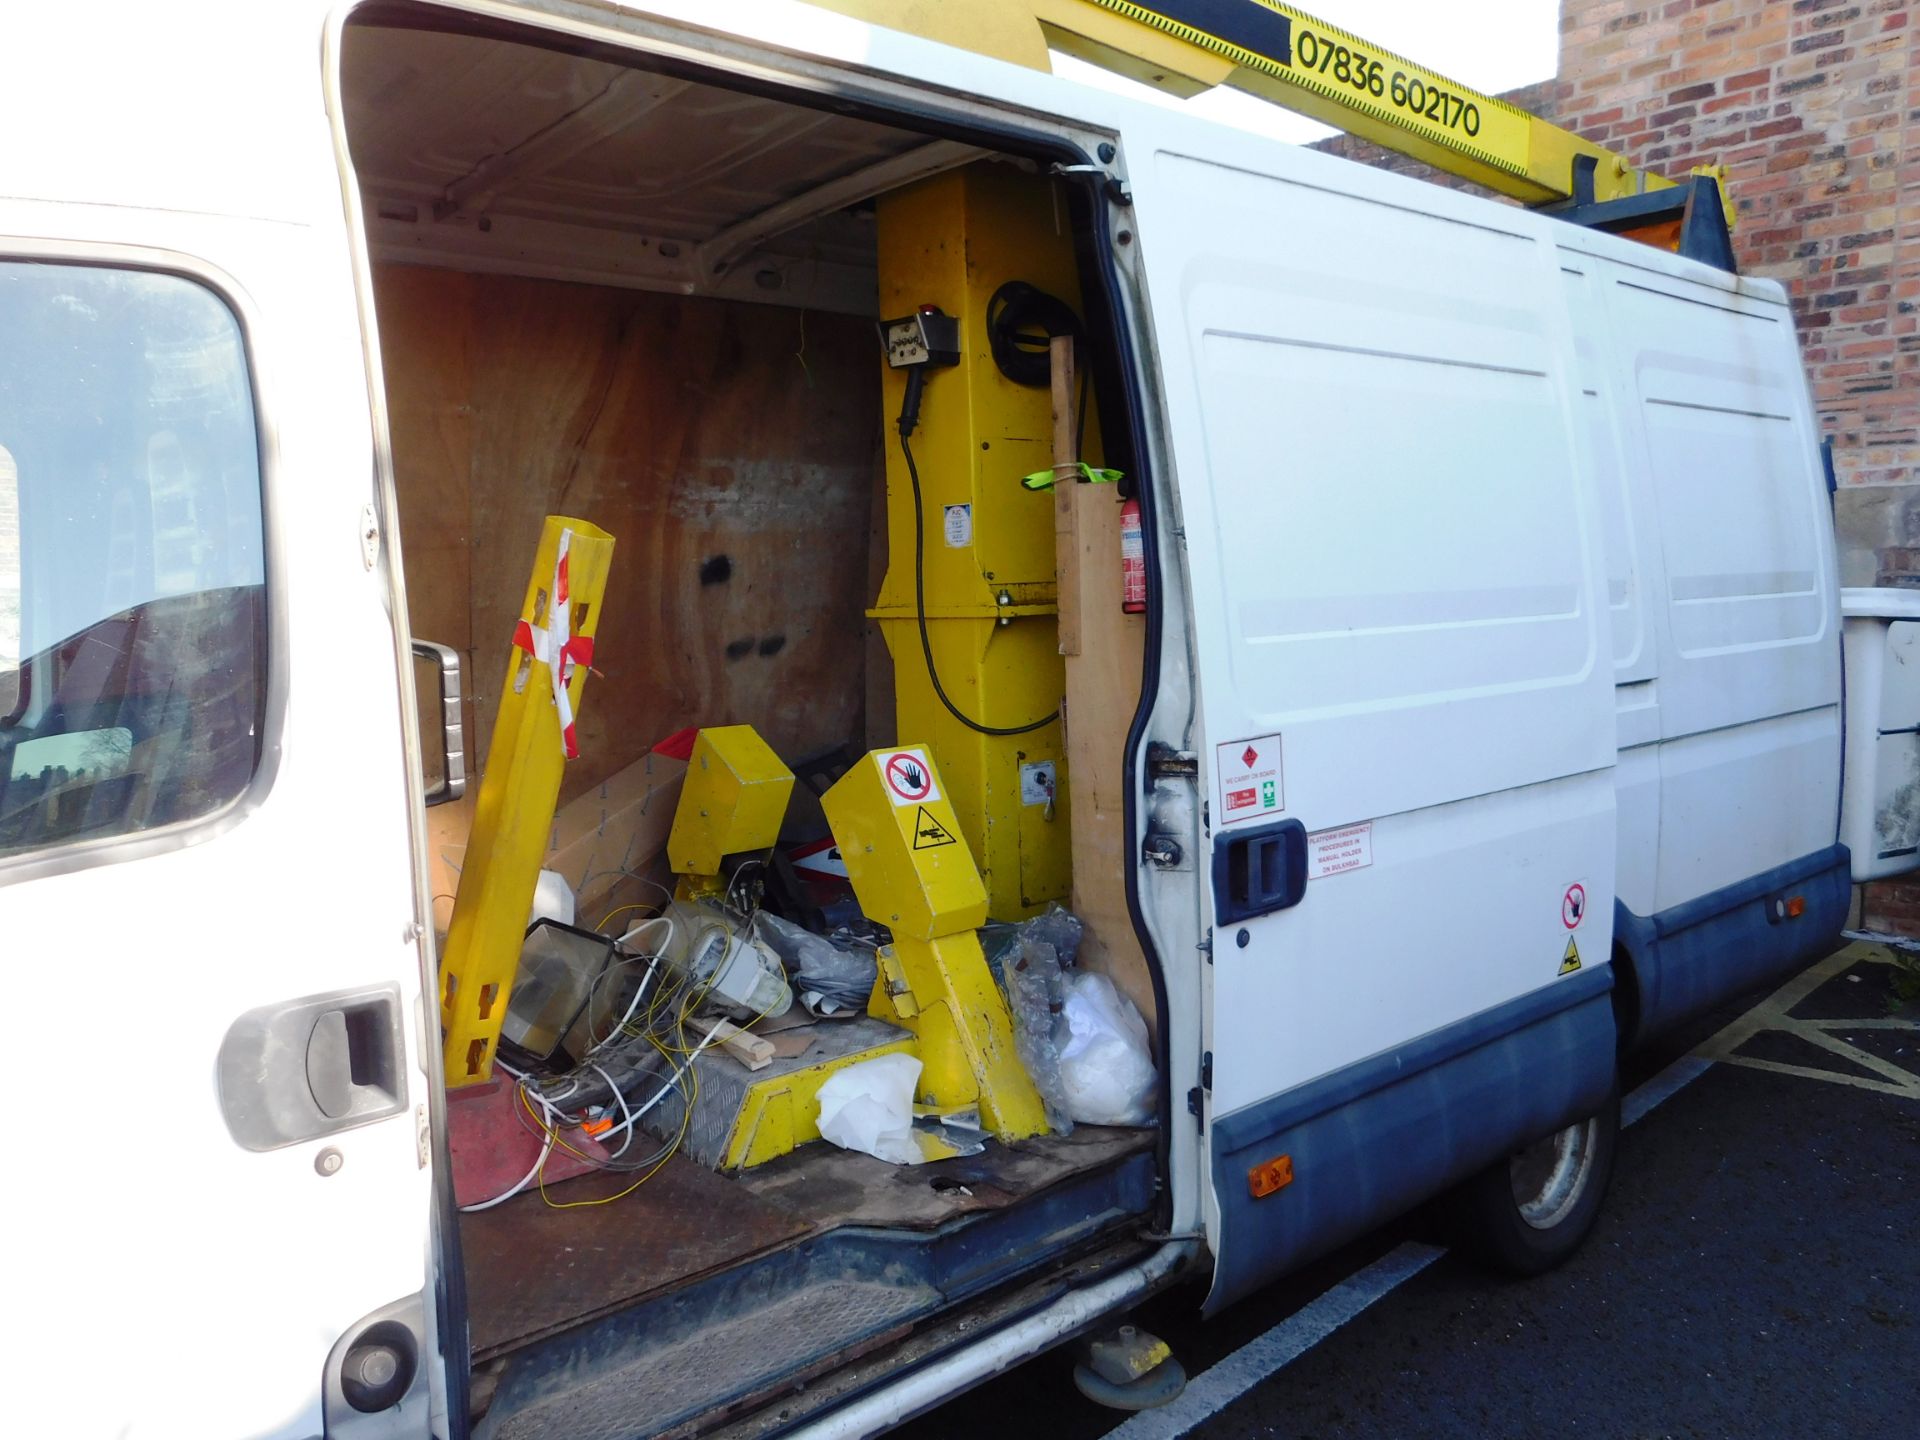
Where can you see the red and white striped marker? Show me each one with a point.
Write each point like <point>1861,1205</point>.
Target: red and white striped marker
<point>557,648</point>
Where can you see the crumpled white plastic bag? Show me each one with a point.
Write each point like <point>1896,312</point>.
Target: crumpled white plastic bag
<point>1106,1066</point>
<point>869,1107</point>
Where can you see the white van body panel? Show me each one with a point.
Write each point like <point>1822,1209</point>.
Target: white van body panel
<point>1452,486</point>
<point>1721,558</point>
<point>1880,820</point>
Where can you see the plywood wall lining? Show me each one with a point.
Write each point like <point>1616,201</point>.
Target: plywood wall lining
<point>729,448</point>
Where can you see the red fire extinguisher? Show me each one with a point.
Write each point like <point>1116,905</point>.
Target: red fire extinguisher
<point>1133,560</point>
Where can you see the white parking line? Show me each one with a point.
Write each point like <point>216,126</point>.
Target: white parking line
<point>1217,1387</point>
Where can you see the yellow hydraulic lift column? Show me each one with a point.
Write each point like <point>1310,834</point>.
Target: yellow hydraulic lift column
<point>986,543</point>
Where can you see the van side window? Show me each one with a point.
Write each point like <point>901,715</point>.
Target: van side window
<point>132,573</point>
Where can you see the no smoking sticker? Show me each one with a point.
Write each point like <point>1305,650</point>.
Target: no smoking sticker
<point>909,777</point>
<point>1573,906</point>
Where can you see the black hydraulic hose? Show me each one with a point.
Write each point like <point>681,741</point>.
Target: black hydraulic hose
<point>909,418</point>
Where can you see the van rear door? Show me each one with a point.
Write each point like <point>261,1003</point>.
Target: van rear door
<point>1405,683</point>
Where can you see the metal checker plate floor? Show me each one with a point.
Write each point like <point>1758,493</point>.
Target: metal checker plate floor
<point>678,1380</point>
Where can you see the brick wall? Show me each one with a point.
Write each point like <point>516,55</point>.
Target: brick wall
<point>1811,105</point>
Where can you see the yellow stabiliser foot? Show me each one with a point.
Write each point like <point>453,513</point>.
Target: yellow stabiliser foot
<point>911,872</point>
<point>731,803</point>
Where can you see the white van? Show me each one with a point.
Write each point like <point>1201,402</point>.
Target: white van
<point>1510,537</point>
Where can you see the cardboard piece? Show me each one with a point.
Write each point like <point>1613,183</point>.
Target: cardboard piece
<point>597,842</point>
<point>616,829</point>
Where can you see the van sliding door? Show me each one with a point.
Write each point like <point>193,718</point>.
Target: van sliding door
<point>1406,683</point>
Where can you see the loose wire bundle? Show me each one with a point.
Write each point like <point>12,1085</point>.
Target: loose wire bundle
<point>653,1043</point>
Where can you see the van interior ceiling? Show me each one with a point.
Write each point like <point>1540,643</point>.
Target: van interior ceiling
<point>652,302</point>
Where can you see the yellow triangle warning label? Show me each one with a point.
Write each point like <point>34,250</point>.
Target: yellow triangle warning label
<point>928,833</point>
<point>1570,961</point>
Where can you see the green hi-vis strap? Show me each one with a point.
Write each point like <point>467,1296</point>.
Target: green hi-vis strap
<point>1088,474</point>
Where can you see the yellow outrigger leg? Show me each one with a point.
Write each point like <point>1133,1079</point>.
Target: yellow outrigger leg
<point>532,741</point>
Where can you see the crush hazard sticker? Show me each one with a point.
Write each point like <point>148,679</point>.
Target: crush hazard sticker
<point>1247,780</point>
<point>909,777</point>
<point>929,833</point>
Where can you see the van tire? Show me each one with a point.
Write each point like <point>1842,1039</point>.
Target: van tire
<point>1529,1212</point>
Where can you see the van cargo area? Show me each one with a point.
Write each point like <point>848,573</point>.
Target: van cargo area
<point>634,297</point>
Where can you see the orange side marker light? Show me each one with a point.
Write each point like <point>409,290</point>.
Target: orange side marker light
<point>1265,1179</point>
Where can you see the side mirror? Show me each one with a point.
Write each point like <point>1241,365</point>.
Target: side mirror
<point>451,781</point>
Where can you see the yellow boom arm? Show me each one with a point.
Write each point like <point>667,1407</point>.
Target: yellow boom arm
<point>1292,59</point>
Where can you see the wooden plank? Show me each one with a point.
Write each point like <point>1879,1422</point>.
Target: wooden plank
<point>1066,497</point>
<point>1104,670</point>
<point>753,1051</point>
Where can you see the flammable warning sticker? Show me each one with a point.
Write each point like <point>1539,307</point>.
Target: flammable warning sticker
<point>1247,780</point>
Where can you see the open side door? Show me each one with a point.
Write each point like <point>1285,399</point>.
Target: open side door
<point>1406,685</point>
<point>206,876</point>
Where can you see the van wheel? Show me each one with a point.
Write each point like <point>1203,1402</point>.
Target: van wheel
<point>1529,1212</point>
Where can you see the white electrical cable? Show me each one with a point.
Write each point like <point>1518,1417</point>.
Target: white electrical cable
<point>521,1184</point>
<point>653,965</point>
<point>661,919</point>
<point>673,1082</point>
<point>621,1100</point>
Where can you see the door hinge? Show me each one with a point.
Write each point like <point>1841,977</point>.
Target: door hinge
<point>1206,1070</point>
<point>1166,763</point>
<point>1205,947</point>
<point>1111,182</point>
<point>1196,1109</point>
<point>1162,851</point>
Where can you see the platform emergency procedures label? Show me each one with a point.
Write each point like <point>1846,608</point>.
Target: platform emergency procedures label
<point>1247,779</point>
<point>909,777</point>
<point>1335,852</point>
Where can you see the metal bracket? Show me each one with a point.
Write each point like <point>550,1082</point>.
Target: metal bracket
<point>1115,185</point>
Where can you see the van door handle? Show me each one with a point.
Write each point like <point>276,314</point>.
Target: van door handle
<point>1256,872</point>
<point>309,1067</point>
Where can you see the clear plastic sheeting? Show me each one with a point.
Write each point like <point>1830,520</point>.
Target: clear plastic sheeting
<point>1036,996</point>
<point>831,980</point>
<point>1106,1066</point>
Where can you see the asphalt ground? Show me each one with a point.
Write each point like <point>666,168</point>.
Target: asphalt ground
<point>1755,1272</point>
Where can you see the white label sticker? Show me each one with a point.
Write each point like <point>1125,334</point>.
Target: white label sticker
<point>909,777</point>
<point>1036,783</point>
<point>1248,780</point>
<point>959,525</point>
<point>1334,852</point>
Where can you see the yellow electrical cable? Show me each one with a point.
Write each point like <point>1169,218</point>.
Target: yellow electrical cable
<point>621,910</point>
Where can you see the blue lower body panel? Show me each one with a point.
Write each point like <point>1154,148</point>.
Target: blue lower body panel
<point>1686,960</point>
<point>1375,1138</point>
